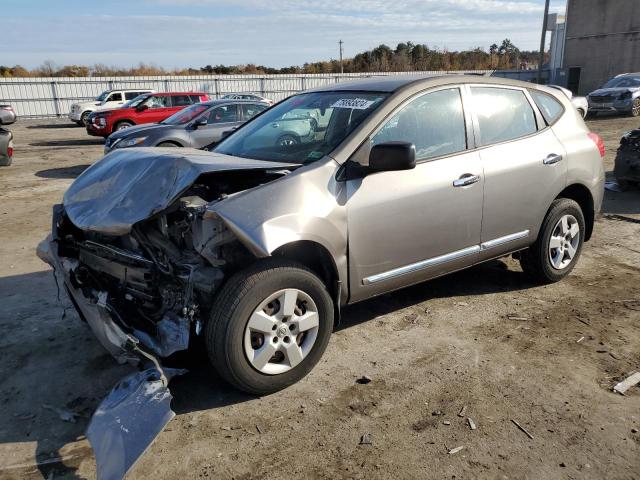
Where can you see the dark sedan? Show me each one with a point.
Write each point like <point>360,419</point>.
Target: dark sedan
<point>195,126</point>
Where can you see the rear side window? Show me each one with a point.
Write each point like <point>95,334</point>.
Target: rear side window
<point>551,108</point>
<point>433,122</point>
<point>181,100</point>
<point>250,109</point>
<point>195,98</point>
<point>131,95</point>
<point>503,114</point>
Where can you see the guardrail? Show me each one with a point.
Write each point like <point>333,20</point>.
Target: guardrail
<point>53,97</point>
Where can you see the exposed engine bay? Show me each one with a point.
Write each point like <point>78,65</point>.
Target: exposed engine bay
<point>159,279</point>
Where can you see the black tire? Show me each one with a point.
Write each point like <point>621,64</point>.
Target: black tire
<point>231,311</point>
<point>168,144</point>
<point>121,125</point>
<point>591,115</point>
<point>535,261</point>
<point>581,112</point>
<point>635,108</point>
<point>79,123</point>
<point>5,161</point>
<point>84,118</point>
<point>287,140</point>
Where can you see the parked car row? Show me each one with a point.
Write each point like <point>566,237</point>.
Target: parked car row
<point>7,117</point>
<point>80,112</point>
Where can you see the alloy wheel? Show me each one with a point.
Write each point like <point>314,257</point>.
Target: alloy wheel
<point>281,331</point>
<point>564,242</point>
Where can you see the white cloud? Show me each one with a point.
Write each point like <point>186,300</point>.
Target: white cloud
<point>276,33</point>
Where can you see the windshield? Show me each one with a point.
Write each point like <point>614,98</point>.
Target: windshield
<point>186,115</point>
<point>303,128</point>
<point>136,101</point>
<point>103,96</point>
<point>623,82</point>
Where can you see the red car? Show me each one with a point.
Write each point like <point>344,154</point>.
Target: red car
<point>145,108</point>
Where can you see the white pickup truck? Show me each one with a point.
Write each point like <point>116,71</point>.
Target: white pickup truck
<point>79,112</point>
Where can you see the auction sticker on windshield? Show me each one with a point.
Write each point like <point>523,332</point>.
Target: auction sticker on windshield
<point>355,103</point>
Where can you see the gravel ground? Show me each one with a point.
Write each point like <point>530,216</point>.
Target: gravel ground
<point>546,357</point>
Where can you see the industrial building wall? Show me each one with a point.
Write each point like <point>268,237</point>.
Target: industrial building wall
<point>602,40</point>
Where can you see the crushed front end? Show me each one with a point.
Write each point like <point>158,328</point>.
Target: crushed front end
<point>141,261</point>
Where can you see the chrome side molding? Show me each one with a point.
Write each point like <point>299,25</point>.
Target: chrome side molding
<point>448,257</point>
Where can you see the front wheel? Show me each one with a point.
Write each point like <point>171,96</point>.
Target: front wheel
<point>123,125</point>
<point>635,108</point>
<point>557,249</point>
<point>269,326</point>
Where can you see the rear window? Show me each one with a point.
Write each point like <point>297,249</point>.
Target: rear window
<point>503,114</point>
<point>551,108</point>
<point>181,100</point>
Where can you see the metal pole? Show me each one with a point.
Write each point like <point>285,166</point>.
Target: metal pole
<point>543,37</point>
<point>341,67</point>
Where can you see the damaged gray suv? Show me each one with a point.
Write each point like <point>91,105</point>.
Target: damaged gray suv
<point>257,245</point>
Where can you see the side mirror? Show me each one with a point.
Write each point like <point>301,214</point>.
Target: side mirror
<point>200,122</point>
<point>142,108</point>
<point>392,156</point>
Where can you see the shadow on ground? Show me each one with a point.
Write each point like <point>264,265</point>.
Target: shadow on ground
<point>63,172</point>
<point>69,143</point>
<point>55,125</point>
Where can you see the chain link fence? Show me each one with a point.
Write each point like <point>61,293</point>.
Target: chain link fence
<point>53,97</point>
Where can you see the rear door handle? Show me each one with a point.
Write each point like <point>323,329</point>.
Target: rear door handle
<point>552,158</point>
<point>466,179</point>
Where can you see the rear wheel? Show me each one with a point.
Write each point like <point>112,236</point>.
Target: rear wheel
<point>5,161</point>
<point>270,325</point>
<point>581,112</point>
<point>635,108</point>
<point>591,115</point>
<point>288,140</point>
<point>557,249</point>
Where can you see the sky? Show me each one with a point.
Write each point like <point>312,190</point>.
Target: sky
<point>277,33</point>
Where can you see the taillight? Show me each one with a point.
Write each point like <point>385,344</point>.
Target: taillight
<point>10,151</point>
<point>598,141</point>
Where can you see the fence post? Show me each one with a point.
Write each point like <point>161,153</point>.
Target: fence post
<point>262,86</point>
<point>110,84</point>
<point>302,84</point>
<point>167,85</point>
<point>54,93</point>
<point>216,87</point>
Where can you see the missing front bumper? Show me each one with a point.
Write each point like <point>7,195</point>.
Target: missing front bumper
<point>131,416</point>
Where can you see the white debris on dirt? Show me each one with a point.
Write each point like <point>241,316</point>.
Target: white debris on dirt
<point>627,383</point>
<point>471,423</point>
<point>455,450</point>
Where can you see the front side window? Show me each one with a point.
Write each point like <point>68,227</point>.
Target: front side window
<point>302,128</point>
<point>223,114</point>
<point>136,101</point>
<point>115,97</point>
<point>185,115</point>
<point>433,122</point>
<point>551,108</point>
<point>503,114</point>
<point>252,109</point>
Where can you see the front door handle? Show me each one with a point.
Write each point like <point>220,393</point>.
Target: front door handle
<point>466,179</point>
<point>552,158</point>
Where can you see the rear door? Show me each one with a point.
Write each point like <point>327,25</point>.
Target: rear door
<point>524,166</point>
<point>219,120</point>
<point>412,225</point>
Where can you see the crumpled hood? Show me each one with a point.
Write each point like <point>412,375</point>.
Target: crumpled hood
<point>132,184</point>
<point>612,91</point>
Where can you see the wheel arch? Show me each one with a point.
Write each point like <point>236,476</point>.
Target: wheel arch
<point>582,196</point>
<point>317,258</point>
<point>174,142</point>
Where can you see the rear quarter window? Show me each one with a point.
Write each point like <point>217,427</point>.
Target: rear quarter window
<point>550,108</point>
<point>503,114</point>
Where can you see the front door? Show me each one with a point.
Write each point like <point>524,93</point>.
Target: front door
<point>408,226</point>
<point>159,109</point>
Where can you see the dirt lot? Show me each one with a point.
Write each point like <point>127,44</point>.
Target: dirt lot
<point>486,338</point>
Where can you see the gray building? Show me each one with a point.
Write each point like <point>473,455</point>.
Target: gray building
<point>602,40</point>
